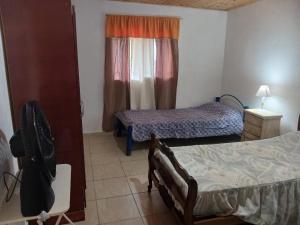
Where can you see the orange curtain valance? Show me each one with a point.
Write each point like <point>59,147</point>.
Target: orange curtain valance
<point>142,27</point>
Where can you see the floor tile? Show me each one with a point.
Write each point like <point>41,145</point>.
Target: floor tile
<point>17,223</point>
<point>150,203</point>
<point>85,140</point>
<point>106,165</point>
<point>101,138</point>
<point>88,173</point>
<point>105,147</point>
<point>101,134</point>
<point>139,183</point>
<point>160,219</point>
<point>112,188</point>
<point>117,209</point>
<point>103,158</point>
<point>133,168</point>
<point>140,154</point>
<point>90,191</point>
<point>137,221</point>
<point>91,214</point>
<point>86,148</point>
<point>122,143</point>
<point>87,158</point>
<point>110,170</point>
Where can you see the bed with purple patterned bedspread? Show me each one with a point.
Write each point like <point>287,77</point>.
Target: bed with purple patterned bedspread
<point>208,120</point>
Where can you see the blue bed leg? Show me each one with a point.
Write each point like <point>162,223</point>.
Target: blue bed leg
<point>129,141</point>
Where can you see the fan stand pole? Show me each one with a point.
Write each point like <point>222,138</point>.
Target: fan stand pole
<point>68,219</point>
<point>58,220</point>
<point>44,217</point>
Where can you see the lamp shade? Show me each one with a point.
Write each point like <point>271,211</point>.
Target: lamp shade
<point>263,91</point>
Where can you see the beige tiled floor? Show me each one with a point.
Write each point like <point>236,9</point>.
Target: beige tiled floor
<point>117,185</point>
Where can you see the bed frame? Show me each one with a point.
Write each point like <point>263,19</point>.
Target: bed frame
<point>130,142</point>
<point>188,202</point>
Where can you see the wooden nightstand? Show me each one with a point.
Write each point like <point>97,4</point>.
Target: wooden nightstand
<point>260,124</point>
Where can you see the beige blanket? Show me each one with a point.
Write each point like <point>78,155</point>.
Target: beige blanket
<point>257,181</point>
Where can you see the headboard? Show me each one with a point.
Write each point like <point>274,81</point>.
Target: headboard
<point>232,97</point>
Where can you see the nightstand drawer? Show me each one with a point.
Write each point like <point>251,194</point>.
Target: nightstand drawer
<point>250,137</point>
<point>253,120</point>
<point>252,129</point>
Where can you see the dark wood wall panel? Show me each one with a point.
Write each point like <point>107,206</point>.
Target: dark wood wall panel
<point>41,59</point>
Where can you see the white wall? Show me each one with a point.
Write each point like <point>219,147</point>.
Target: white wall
<point>201,50</point>
<point>263,47</point>
<point>6,129</point>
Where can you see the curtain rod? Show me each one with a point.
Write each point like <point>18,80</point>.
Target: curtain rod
<point>116,14</point>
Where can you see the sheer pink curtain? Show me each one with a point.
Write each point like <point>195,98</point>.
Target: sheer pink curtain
<point>166,73</point>
<point>142,64</point>
<point>116,87</point>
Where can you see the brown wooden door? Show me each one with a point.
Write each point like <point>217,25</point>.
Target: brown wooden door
<point>41,60</point>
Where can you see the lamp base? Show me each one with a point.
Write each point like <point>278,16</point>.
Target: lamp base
<point>262,103</point>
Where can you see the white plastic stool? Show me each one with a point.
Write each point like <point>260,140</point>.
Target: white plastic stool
<point>11,211</point>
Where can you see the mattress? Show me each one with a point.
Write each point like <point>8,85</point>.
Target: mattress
<point>211,119</point>
<point>257,181</point>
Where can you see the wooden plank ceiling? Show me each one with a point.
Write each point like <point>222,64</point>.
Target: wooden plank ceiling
<point>206,4</point>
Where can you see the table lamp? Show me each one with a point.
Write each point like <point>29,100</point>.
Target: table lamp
<point>263,92</point>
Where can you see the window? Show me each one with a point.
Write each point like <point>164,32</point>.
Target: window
<point>141,53</point>
<point>142,58</point>
<point>142,61</point>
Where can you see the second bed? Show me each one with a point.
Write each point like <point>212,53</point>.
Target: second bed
<point>256,182</point>
<point>214,119</point>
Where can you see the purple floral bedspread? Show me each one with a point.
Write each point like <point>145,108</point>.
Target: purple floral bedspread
<point>210,119</point>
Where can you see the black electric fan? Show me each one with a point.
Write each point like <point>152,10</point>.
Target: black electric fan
<point>33,145</point>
